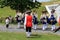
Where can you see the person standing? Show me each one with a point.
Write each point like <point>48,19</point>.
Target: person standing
<point>18,19</point>
<point>28,23</point>
<point>35,21</point>
<point>53,20</point>
<point>43,20</point>
<point>7,22</point>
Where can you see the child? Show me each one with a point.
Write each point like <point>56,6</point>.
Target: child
<point>35,22</point>
<point>43,20</point>
<point>7,22</point>
<point>59,25</point>
<point>28,24</point>
<point>19,21</point>
<point>53,22</point>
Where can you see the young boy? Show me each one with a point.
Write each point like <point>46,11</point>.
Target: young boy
<point>7,22</point>
<point>28,24</point>
<point>43,20</point>
<point>52,20</point>
<point>35,22</point>
<point>19,21</point>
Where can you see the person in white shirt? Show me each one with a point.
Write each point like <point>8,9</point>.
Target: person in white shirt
<point>43,20</point>
<point>7,22</point>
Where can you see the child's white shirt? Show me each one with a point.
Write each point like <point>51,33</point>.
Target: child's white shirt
<point>7,21</point>
<point>43,16</point>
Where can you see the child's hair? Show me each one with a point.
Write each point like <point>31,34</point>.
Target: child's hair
<point>44,12</point>
<point>34,10</point>
<point>28,12</point>
<point>17,15</point>
<point>52,11</point>
<point>7,17</point>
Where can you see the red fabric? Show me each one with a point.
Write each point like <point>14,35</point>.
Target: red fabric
<point>29,21</point>
<point>59,21</point>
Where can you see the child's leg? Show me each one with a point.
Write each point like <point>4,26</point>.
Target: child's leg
<point>35,26</point>
<point>43,28</point>
<point>7,25</point>
<point>18,24</point>
<point>27,31</point>
<point>53,27</point>
<point>46,25</point>
<point>24,26</point>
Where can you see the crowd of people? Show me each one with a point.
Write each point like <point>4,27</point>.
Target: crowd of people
<point>30,20</point>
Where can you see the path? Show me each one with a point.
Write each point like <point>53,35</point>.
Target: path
<point>13,28</point>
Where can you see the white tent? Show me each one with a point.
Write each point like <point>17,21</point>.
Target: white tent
<point>58,10</point>
<point>50,7</point>
<point>54,6</point>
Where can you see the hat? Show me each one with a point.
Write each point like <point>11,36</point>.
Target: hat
<point>28,11</point>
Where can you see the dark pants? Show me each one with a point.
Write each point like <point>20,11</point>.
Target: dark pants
<point>7,25</point>
<point>28,29</point>
<point>57,29</point>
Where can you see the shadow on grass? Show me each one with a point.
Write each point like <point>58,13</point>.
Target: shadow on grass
<point>35,36</point>
<point>48,29</point>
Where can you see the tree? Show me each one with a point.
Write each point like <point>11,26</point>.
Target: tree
<point>20,5</point>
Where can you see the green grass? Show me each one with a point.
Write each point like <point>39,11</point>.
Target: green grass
<point>22,36</point>
<point>6,11</point>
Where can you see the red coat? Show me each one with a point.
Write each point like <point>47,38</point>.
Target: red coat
<point>29,21</point>
<point>59,21</point>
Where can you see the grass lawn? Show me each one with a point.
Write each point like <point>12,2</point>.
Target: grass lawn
<point>22,36</point>
<point>6,11</point>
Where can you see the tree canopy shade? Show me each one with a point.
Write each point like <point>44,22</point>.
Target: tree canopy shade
<point>20,5</point>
